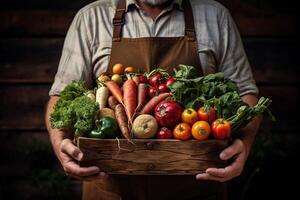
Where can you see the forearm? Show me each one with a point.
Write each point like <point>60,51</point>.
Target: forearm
<point>56,135</point>
<point>249,132</point>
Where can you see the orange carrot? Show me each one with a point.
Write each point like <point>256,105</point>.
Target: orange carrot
<point>130,95</point>
<point>142,96</point>
<point>122,120</point>
<point>115,90</point>
<point>136,79</point>
<point>150,106</point>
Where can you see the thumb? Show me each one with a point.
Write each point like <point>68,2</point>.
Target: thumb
<point>69,148</point>
<point>232,150</point>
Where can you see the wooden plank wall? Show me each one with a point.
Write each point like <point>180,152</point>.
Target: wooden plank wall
<point>31,38</point>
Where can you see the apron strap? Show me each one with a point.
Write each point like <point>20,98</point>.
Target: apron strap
<point>189,20</point>
<point>119,20</point>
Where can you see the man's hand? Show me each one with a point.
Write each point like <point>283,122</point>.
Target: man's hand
<point>239,152</point>
<point>69,154</point>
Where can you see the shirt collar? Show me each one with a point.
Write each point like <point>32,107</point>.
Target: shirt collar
<point>133,2</point>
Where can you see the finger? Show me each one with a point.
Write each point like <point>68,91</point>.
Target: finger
<point>73,168</point>
<point>206,176</point>
<point>235,148</point>
<point>69,148</point>
<point>230,171</point>
<point>101,175</point>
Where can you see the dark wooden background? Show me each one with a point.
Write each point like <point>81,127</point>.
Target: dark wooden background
<point>31,37</point>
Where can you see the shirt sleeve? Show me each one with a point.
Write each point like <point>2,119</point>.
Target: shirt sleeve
<point>75,61</point>
<point>232,57</point>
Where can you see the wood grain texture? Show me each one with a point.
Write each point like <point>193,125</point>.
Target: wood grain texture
<point>29,60</point>
<point>23,107</point>
<point>151,156</point>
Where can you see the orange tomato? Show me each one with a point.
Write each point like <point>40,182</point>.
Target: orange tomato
<point>189,116</point>
<point>129,70</point>
<point>182,131</point>
<point>118,69</point>
<point>204,116</point>
<point>200,130</point>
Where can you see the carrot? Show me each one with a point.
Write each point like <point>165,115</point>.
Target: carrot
<point>115,90</point>
<point>122,120</point>
<point>112,102</point>
<point>102,94</point>
<point>142,96</point>
<point>149,107</point>
<point>130,95</point>
<point>136,79</point>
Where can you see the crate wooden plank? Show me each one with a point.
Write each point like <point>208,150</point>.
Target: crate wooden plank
<point>151,156</point>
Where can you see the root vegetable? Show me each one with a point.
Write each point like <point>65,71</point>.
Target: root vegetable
<point>112,102</point>
<point>122,120</point>
<point>149,107</point>
<point>144,126</point>
<point>102,94</point>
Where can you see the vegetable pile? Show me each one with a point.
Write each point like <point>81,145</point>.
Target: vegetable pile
<point>155,104</point>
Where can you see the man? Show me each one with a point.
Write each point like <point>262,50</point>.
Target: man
<point>149,33</point>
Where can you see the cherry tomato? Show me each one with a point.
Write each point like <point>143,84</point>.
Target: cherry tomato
<point>117,78</point>
<point>200,130</point>
<point>182,131</point>
<point>152,91</point>
<point>143,79</point>
<point>163,88</point>
<point>221,129</point>
<point>118,69</point>
<point>129,70</point>
<point>164,133</point>
<point>204,116</point>
<point>170,81</point>
<point>103,78</point>
<point>189,116</point>
<point>154,80</point>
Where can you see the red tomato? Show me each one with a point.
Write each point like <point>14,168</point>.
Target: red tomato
<point>221,129</point>
<point>155,79</point>
<point>163,88</point>
<point>143,79</point>
<point>164,133</point>
<point>152,91</point>
<point>170,81</point>
<point>204,116</point>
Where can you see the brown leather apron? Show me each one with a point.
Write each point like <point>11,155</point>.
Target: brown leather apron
<point>145,54</point>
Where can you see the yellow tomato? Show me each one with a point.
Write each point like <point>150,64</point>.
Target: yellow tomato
<point>189,116</point>
<point>118,69</point>
<point>200,130</point>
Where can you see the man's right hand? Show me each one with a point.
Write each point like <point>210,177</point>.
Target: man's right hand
<point>69,154</point>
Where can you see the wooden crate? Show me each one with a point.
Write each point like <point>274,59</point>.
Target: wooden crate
<point>152,156</point>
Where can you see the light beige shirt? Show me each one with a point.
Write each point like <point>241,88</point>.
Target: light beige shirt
<point>87,46</point>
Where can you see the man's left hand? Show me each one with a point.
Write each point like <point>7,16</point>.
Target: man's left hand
<point>239,152</point>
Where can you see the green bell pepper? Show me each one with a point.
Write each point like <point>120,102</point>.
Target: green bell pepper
<point>106,127</point>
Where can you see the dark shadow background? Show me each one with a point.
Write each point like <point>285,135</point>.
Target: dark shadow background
<point>31,38</point>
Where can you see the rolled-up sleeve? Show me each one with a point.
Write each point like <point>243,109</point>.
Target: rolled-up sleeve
<point>232,57</point>
<point>75,61</point>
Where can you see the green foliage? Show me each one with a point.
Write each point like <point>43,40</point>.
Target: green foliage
<point>74,110</point>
